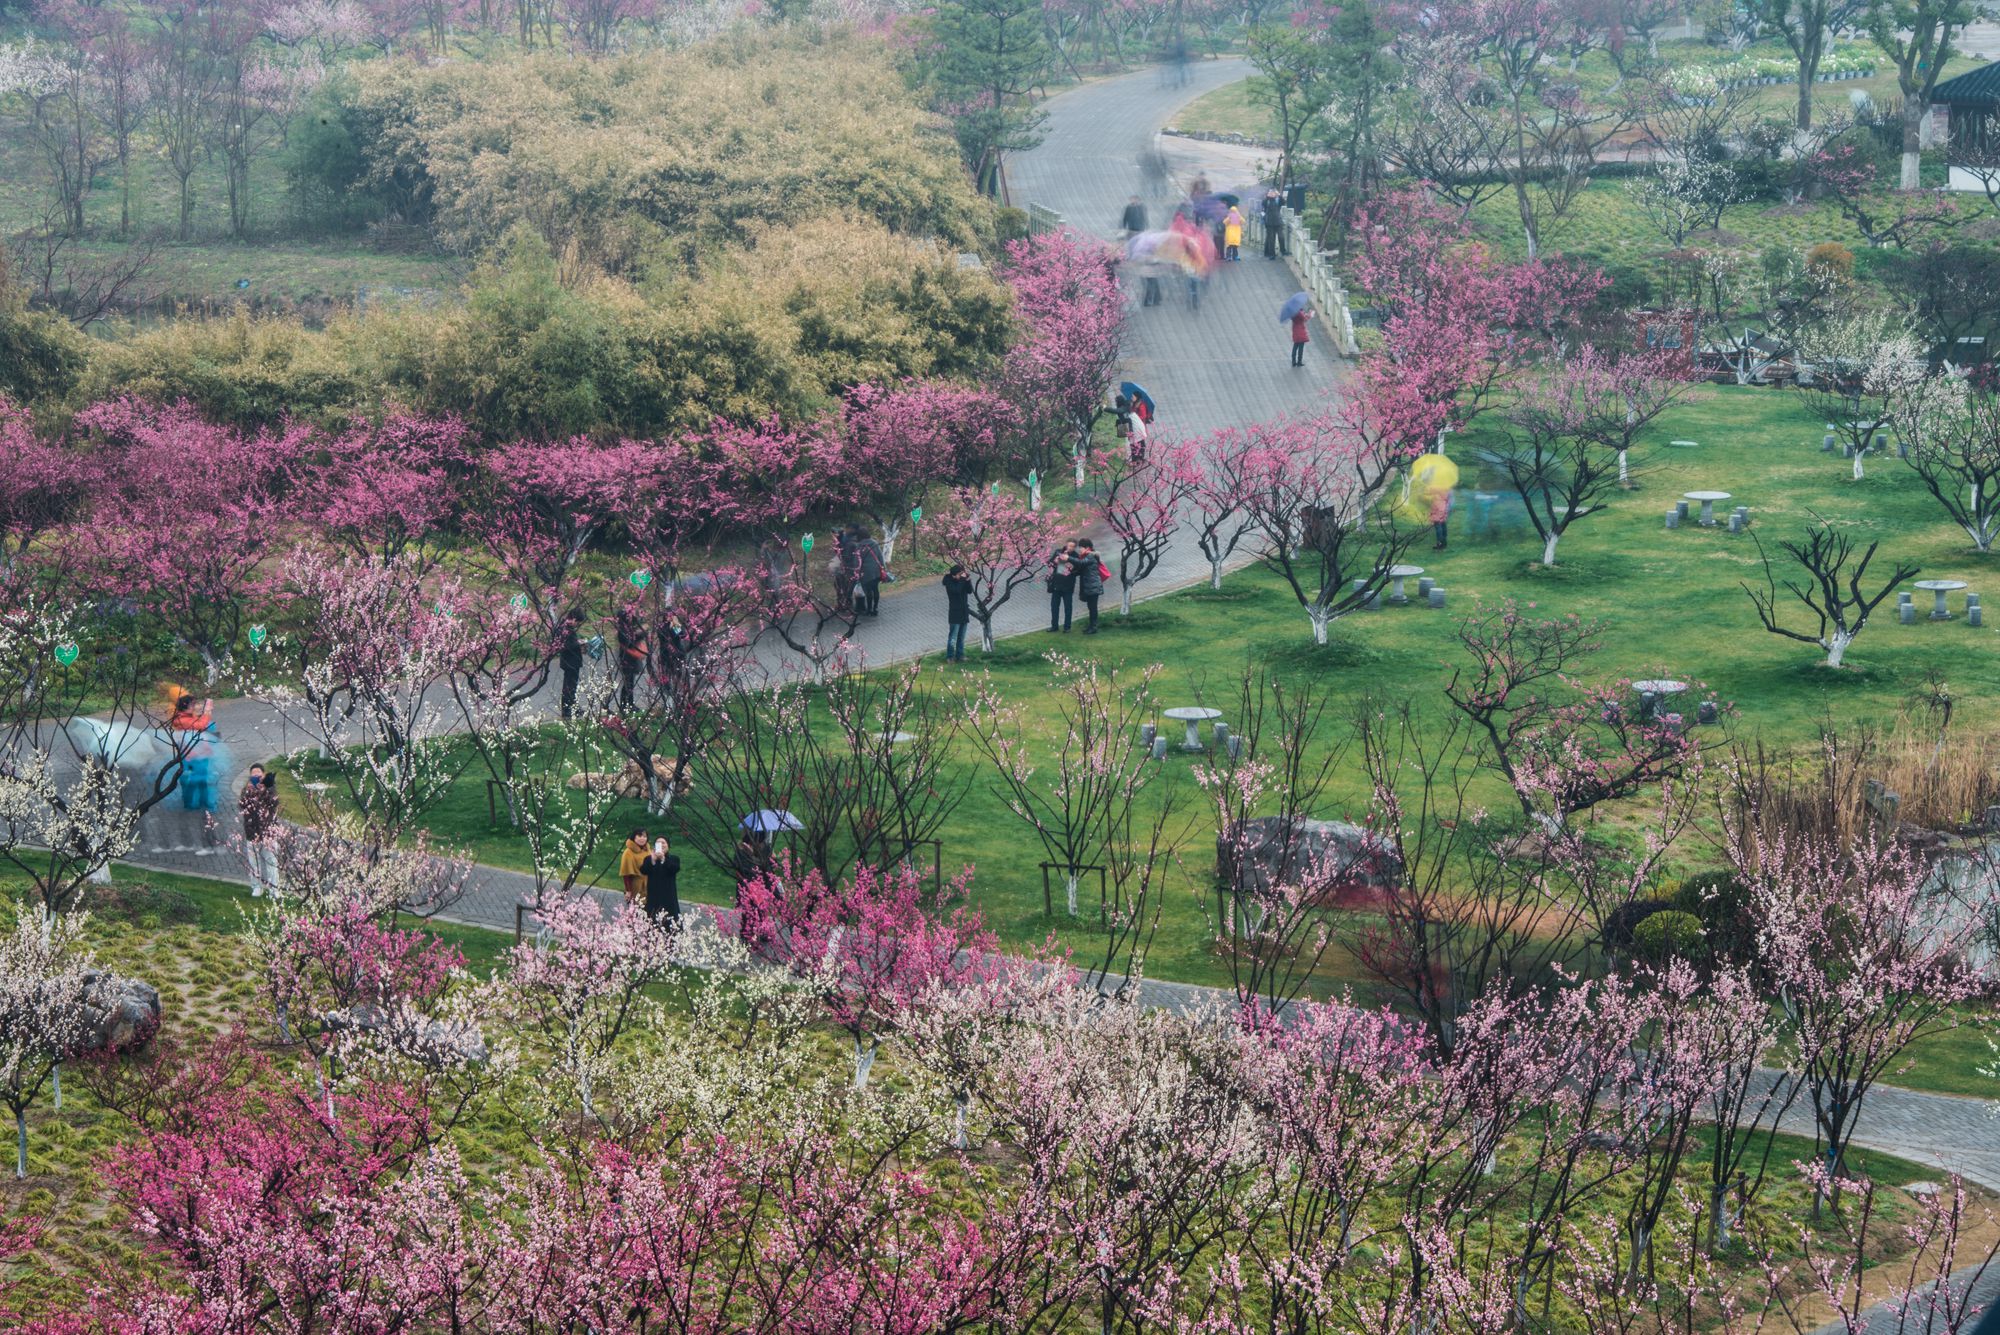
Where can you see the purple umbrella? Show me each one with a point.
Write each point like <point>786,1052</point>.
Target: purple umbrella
<point>1295,303</point>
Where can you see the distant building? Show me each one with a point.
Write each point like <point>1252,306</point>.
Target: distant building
<point>1971,104</point>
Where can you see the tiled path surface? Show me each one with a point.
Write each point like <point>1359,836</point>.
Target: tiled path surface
<point>1226,364</point>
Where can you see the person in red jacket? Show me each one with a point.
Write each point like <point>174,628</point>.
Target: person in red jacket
<point>1301,335</point>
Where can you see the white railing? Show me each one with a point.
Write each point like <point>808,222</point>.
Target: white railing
<point>1318,276</point>
<point>1043,220</point>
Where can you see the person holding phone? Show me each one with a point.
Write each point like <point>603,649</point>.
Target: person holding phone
<point>662,870</point>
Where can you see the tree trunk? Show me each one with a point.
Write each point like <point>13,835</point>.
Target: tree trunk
<point>1624,473</point>
<point>890,529</point>
<point>1914,111</point>
<point>864,1057</point>
<point>985,635</point>
<point>1858,454</point>
<point>1124,599</point>
<point>1071,881</point>
<point>1319,619</point>
<point>20,1142</point>
<point>1215,573</point>
<point>959,1139</point>
<point>1549,548</point>
<point>1836,647</point>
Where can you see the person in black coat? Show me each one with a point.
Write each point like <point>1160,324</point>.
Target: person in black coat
<point>569,659</point>
<point>1133,221</point>
<point>1062,587</point>
<point>1089,580</point>
<point>957,612</point>
<point>868,599</point>
<point>662,870</point>
<point>1274,225</point>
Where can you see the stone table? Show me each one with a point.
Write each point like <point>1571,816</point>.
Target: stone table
<point>1940,587</point>
<point>1653,694</point>
<point>1194,716</point>
<point>1398,574</point>
<point>1708,500</point>
<point>895,738</point>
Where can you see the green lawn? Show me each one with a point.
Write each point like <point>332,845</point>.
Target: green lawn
<point>1671,603</point>
<point>1234,108</point>
<point>282,262</point>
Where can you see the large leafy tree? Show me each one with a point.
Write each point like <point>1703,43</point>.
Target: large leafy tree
<point>1916,36</point>
<point>987,56</point>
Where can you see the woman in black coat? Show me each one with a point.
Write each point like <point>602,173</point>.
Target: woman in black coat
<point>662,870</point>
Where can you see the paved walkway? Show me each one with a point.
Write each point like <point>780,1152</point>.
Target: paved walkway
<point>1226,364</point>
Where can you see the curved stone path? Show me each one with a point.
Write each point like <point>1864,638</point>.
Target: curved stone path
<point>1227,363</point>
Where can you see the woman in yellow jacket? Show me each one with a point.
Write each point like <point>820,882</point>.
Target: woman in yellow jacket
<point>632,867</point>
<point>1232,233</point>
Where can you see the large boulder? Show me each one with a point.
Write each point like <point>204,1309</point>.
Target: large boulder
<point>1339,863</point>
<point>119,1013</point>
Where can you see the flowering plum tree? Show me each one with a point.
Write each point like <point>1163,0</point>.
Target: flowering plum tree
<point>201,507</point>
<point>580,989</point>
<point>872,947</point>
<point>42,1011</point>
<point>1002,544</point>
<point>1069,299</point>
<point>1142,505</point>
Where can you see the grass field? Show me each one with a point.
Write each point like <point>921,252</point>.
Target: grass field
<point>1671,604</point>
<point>282,262</point>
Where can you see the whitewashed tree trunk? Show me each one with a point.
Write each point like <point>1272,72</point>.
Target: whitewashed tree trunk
<point>1836,646</point>
<point>986,636</point>
<point>891,529</point>
<point>1319,618</point>
<point>1072,882</point>
<point>1215,573</point>
<point>864,1057</point>
<point>1549,548</point>
<point>1079,468</point>
<point>960,1102</point>
<point>1858,454</point>
<point>1035,495</point>
<point>1124,599</point>
<point>1624,472</point>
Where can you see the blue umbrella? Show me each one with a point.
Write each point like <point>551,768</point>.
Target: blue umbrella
<point>1295,303</point>
<point>1135,391</point>
<point>768,821</point>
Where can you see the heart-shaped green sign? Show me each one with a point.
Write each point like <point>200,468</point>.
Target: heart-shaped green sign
<point>916,514</point>
<point>257,637</point>
<point>806,544</point>
<point>66,652</point>
<point>442,610</point>
<point>640,578</point>
<point>519,602</point>
<point>1034,478</point>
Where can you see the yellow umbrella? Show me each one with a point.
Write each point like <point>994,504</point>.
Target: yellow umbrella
<point>1429,476</point>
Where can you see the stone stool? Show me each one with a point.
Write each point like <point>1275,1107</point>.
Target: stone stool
<point>1674,517</point>
<point>1159,748</point>
<point>1424,586</point>
<point>1437,596</point>
<point>1906,612</point>
<point>1972,613</point>
<point>1736,522</point>
<point>1681,509</point>
<point>1147,732</point>
<point>1707,712</point>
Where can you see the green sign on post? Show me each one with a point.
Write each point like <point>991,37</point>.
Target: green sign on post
<point>257,637</point>
<point>806,544</point>
<point>640,578</point>
<point>916,514</point>
<point>66,652</point>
